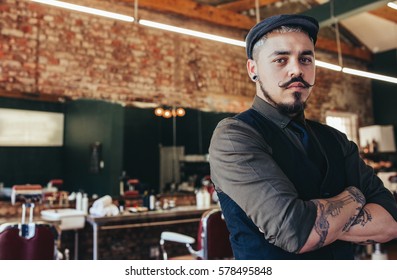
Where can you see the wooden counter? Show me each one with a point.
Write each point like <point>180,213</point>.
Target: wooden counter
<point>136,217</point>
<point>158,218</point>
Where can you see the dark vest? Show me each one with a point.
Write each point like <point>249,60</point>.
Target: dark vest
<point>321,175</point>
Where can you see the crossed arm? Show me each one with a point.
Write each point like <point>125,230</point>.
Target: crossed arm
<point>344,218</point>
<point>335,216</point>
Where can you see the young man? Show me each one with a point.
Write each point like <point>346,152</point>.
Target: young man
<point>291,188</point>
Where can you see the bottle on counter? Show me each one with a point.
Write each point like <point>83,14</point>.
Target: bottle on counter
<point>123,182</point>
<point>206,198</point>
<point>200,198</point>
<point>377,254</point>
<point>145,199</point>
<point>208,187</point>
<point>84,204</point>
<point>152,201</point>
<point>375,146</point>
<point>79,201</point>
<point>121,205</point>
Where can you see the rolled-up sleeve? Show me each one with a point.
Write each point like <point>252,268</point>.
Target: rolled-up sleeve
<point>243,168</point>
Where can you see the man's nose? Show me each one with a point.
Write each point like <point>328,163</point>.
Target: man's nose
<point>295,69</point>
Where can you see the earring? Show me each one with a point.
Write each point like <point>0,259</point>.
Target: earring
<point>255,78</point>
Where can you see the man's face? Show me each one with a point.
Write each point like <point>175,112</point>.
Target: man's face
<point>286,71</point>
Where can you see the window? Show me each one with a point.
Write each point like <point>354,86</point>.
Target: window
<point>344,122</point>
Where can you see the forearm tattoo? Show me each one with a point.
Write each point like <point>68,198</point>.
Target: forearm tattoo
<point>322,225</point>
<point>356,194</point>
<point>362,218</point>
<point>332,209</point>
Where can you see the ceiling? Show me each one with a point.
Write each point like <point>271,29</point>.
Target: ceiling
<point>365,26</point>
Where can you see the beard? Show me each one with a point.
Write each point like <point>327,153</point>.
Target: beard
<point>292,109</point>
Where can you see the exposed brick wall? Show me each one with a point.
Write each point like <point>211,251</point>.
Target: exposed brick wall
<point>53,51</point>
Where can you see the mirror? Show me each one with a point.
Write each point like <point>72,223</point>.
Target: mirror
<point>131,139</point>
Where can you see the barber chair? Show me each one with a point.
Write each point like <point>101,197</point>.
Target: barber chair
<point>28,241</point>
<point>212,239</point>
<point>31,193</point>
<point>58,183</point>
<point>53,193</point>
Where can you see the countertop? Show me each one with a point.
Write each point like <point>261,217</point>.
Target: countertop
<point>126,216</point>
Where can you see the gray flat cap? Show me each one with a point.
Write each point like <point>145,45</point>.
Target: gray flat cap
<point>309,24</point>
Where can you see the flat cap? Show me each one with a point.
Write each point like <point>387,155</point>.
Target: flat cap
<point>308,24</point>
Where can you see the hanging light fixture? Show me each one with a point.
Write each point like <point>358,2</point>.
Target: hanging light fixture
<point>180,112</point>
<point>168,112</point>
<point>159,111</point>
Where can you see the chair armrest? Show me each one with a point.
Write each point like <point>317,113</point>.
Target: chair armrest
<point>177,237</point>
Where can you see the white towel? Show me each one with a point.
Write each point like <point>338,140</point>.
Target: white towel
<point>110,210</point>
<point>102,202</point>
<point>104,207</point>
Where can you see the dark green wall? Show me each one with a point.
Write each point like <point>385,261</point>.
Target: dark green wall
<point>385,94</point>
<point>88,122</point>
<point>141,146</point>
<point>188,134</point>
<point>33,165</point>
<point>194,130</point>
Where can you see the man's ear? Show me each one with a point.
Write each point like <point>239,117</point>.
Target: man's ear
<point>252,69</point>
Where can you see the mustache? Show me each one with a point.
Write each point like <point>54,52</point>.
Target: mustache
<point>298,79</point>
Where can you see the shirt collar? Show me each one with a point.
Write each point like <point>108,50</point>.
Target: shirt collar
<point>271,113</point>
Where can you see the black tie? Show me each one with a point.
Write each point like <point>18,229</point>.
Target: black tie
<point>302,132</point>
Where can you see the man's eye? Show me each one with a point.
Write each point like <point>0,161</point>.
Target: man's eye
<point>306,60</point>
<point>280,60</point>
